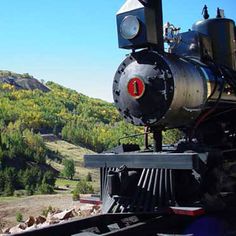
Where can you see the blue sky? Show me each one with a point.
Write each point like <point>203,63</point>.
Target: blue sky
<point>74,42</point>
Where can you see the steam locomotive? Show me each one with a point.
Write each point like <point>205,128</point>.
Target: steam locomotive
<point>190,86</point>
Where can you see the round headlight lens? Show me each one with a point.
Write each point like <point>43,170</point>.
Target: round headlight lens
<point>129,27</point>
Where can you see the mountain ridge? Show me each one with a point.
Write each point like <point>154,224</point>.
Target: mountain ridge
<point>22,81</point>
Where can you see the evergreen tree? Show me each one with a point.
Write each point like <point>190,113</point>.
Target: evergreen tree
<point>69,168</point>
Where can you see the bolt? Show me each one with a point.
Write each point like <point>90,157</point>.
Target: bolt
<point>117,92</point>
<point>149,78</point>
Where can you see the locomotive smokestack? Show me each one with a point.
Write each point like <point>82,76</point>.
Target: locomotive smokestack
<point>157,6</point>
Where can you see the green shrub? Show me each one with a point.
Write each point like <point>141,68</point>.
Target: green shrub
<point>20,193</point>
<point>9,190</point>
<point>48,183</point>
<point>19,217</point>
<point>89,177</point>
<point>29,190</point>
<point>47,210</point>
<point>82,188</point>
<point>46,188</point>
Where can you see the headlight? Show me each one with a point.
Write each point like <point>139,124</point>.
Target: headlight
<point>129,27</point>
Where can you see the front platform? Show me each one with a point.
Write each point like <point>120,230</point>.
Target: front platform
<point>141,160</point>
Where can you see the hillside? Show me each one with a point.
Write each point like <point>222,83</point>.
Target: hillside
<point>89,122</point>
<point>26,114</point>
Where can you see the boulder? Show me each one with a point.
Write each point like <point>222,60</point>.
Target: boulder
<point>40,220</point>
<point>30,221</point>
<point>18,229</point>
<point>86,210</point>
<point>6,230</point>
<point>64,215</point>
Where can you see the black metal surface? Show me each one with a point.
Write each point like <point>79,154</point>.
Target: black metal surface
<point>193,44</point>
<point>156,75</point>
<point>150,191</point>
<point>221,32</point>
<point>100,224</point>
<point>178,161</point>
<point>76,226</point>
<point>157,140</point>
<point>157,5</point>
<point>142,224</point>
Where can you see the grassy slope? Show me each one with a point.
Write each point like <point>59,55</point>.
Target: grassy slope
<point>70,151</point>
<point>34,205</point>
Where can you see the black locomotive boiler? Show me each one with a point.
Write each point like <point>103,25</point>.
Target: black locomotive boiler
<point>190,86</point>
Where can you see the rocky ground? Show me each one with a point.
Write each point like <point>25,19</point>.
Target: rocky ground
<point>32,206</point>
<point>52,217</point>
